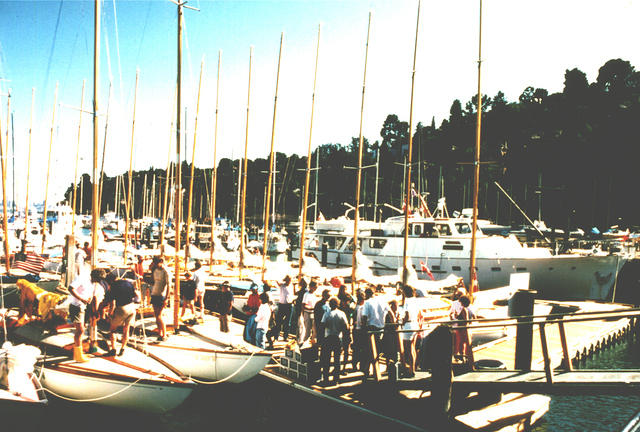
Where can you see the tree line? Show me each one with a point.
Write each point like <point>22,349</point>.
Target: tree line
<point>566,157</point>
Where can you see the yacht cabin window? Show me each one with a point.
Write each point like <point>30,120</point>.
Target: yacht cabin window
<point>377,243</point>
<point>463,228</point>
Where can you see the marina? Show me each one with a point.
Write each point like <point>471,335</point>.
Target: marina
<point>219,289</point>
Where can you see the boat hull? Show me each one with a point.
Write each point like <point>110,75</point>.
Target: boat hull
<point>128,393</point>
<point>557,277</point>
<point>211,365</point>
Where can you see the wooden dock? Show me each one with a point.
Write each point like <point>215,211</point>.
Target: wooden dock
<point>583,338</point>
<point>564,382</point>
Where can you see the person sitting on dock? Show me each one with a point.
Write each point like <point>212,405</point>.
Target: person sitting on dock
<point>123,297</point>
<point>159,292</point>
<point>336,328</point>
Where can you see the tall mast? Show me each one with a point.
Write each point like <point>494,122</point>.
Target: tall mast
<point>46,188</point>
<point>104,150</point>
<point>476,173</point>
<point>178,173</point>
<point>408,185</point>
<point>95,212</point>
<point>214,173</point>
<point>75,173</point>
<point>360,139</point>
<point>193,156</point>
<point>167,180</point>
<point>303,222</point>
<point>244,182</point>
<point>127,211</point>
<point>26,206</point>
<point>7,251</point>
<point>273,131</point>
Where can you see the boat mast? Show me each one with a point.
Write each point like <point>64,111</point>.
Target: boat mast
<point>214,173</point>
<point>167,178</point>
<point>303,223</point>
<point>405,269</point>
<point>273,132</point>
<point>75,173</point>
<point>178,172</point>
<point>476,175</point>
<point>244,176</point>
<point>104,150</point>
<point>46,188</point>
<point>127,211</point>
<point>7,251</point>
<point>193,156</point>
<point>359,175</point>
<point>95,212</point>
<point>26,206</point>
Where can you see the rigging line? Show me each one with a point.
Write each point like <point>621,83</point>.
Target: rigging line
<point>53,44</point>
<point>115,24</point>
<point>144,30</point>
<point>106,45</point>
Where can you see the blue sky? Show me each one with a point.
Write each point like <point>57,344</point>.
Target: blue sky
<point>524,43</point>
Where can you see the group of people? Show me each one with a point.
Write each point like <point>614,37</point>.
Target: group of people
<point>337,325</point>
<point>95,295</point>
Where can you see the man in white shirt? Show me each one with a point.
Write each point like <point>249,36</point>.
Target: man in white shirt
<point>199,277</point>
<point>306,323</point>
<point>82,290</point>
<point>374,312</point>
<point>283,315</point>
<point>79,260</point>
<point>336,327</point>
<point>262,320</point>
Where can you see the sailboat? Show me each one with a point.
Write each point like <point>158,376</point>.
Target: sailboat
<point>202,352</point>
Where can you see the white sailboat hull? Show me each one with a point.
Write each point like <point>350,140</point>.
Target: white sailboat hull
<point>124,392</point>
<point>208,365</point>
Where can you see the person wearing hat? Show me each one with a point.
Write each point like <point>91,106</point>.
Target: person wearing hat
<point>251,308</point>
<point>225,304</point>
<point>253,301</point>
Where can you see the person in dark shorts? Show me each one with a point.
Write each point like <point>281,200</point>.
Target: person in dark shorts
<point>188,295</point>
<point>124,297</point>
<point>159,292</point>
<point>225,304</point>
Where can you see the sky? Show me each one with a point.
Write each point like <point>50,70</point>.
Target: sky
<point>49,43</point>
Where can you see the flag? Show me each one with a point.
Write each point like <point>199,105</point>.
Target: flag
<point>424,268</point>
<point>33,263</point>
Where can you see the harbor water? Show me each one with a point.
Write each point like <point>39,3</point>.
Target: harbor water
<point>603,413</point>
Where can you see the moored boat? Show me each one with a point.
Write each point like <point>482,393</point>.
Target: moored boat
<point>132,381</point>
<point>200,352</point>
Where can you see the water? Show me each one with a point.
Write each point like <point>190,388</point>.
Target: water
<point>596,413</point>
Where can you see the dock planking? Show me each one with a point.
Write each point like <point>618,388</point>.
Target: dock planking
<point>581,336</point>
<point>564,382</point>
